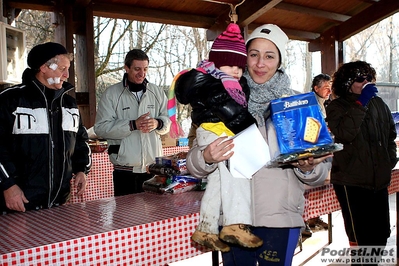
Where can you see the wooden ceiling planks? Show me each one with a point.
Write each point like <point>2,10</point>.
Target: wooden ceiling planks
<point>301,19</point>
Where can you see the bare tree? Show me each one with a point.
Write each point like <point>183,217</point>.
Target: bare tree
<point>357,46</point>
<point>391,51</point>
<point>191,47</point>
<point>102,66</point>
<point>37,25</point>
<point>296,65</point>
<point>391,45</point>
<point>378,45</point>
<point>308,65</point>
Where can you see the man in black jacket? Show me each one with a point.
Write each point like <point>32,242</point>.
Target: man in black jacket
<point>43,143</point>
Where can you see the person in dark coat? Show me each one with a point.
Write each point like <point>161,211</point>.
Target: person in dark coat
<point>361,172</point>
<point>43,143</point>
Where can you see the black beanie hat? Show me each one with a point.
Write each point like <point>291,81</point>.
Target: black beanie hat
<point>41,53</point>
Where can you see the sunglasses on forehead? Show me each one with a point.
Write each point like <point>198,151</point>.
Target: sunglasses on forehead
<point>363,78</point>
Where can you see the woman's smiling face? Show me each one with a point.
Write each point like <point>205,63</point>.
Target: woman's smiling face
<point>263,60</point>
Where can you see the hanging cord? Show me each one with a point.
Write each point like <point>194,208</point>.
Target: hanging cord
<point>233,14</point>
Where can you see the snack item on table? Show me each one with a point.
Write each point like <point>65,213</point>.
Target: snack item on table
<point>155,184</point>
<point>177,187</point>
<point>176,161</point>
<point>161,169</point>
<point>181,183</point>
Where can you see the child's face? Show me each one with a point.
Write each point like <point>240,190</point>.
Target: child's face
<point>234,71</point>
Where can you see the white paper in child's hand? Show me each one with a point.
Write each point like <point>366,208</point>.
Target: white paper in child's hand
<point>251,153</point>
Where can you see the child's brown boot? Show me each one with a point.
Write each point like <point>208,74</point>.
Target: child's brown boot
<point>241,235</point>
<point>211,241</point>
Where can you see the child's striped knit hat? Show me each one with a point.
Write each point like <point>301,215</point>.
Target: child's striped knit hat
<point>229,48</point>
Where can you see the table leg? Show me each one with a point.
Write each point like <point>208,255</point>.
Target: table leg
<point>215,258</point>
<point>330,228</point>
<point>328,243</point>
<point>397,218</point>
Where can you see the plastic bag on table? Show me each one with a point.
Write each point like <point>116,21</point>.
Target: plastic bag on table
<point>155,184</point>
<point>179,184</point>
<point>176,161</point>
<point>161,169</point>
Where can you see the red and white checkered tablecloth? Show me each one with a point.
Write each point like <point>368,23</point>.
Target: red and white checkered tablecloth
<point>319,201</point>
<point>322,200</point>
<point>141,229</point>
<point>99,180</point>
<point>173,150</point>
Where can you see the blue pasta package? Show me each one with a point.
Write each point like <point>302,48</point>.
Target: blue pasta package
<point>300,129</point>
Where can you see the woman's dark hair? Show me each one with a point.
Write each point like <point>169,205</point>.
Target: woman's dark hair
<point>319,79</point>
<point>347,73</point>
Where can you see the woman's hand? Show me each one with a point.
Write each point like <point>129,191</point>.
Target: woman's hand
<point>310,163</point>
<point>219,150</point>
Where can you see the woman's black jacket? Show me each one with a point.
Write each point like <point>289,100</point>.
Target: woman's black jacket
<point>368,135</point>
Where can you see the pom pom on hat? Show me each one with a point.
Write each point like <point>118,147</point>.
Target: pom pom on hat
<point>41,53</point>
<point>229,48</point>
<point>272,33</point>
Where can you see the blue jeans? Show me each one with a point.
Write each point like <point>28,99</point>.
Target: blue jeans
<point>278,248</point>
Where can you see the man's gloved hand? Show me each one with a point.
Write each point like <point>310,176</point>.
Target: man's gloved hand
<point>369,91</point>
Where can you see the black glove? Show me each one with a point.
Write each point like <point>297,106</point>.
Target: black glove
<point>369,91</point>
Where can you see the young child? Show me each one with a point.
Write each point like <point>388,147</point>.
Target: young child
<point>218,95</point>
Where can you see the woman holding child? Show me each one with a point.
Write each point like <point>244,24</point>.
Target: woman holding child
<point>277,193</point>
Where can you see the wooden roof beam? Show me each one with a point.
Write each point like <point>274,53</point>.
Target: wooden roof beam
<point>291,33</point>
<point>301,35</point>
<point>44,5</point>
<point>312,12</point>
<point>250,10</point>
<point>367,18</point>
<point>152,15</point>
<point>363,20</point>
<point>82,3</point>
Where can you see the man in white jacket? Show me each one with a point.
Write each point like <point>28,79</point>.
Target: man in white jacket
<point>131,116</point>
